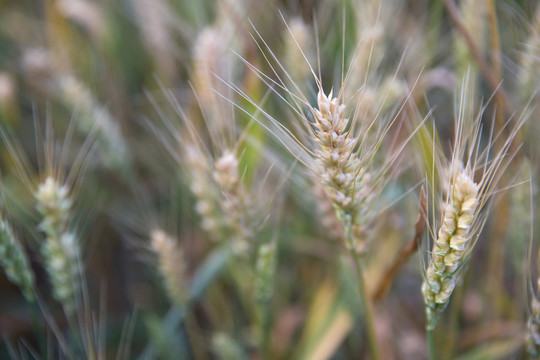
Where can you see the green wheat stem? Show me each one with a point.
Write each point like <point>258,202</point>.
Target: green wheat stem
<point>431,344</point>
<point>366,300</point>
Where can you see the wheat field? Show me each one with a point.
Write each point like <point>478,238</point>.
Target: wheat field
<point>269,179</point>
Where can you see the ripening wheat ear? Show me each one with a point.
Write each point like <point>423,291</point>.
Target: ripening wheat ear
<point>469,182</point>
<point>210,156</point>
<point>530,64</point>
<point>93,117</point>
<point>210,63</point>
<point>298,36</point>
<point>342,170</point>
<point>449,249</point>
<point>61,249</point>
<point>234,201</point>
<point>338,137</point>
<point>204,189</point>
<point>52,188</point>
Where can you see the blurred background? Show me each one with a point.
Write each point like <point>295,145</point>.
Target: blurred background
<point>108,95</point>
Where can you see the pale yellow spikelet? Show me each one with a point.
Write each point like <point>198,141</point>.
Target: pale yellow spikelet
<point>451,245</point>
<point>171,264</point>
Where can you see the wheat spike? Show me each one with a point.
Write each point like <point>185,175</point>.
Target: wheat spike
<point>342,173</point>
<point>234,202</point>
<point>172,265</point>
<point>61,248</point>
<point>450,247</point>
<point>14,261</point>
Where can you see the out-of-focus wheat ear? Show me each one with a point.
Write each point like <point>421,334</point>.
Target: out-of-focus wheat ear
<point>234,202</point>
<point>450,247</point>
<point>90,117</point>
<point>372,18</point>
<point>156,28</point>
<point>14,260</point>
<point>86,14</point>
<point>205,191</point>
<point>529,63</point>
<point>298,51</point>
<point>226,348</point>
<point>172,266</point>
<point>265,268</point>
<point>9,110</point>
<point>342,172</point>
<point>210,72</point>
<point>475,21</point>
<point>61,249</point>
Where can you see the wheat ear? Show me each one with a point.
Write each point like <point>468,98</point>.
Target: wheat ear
<point>204,190</point>
<point>61,248</point>
<point>344,178</point>
<point>14,261</point>
<point>342,173</point>
<point>450,247</point>
<point>234,202</point>
<point>172,265</point>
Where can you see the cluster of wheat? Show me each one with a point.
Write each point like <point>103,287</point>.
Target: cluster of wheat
<point>240,179</point>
